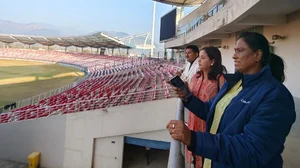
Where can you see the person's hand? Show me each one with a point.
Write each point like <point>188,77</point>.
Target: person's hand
<point>179,131</point>
<point>178,73</point>
<point>180,94</point>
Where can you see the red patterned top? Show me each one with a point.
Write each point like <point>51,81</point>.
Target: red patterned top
<point>204,89</point>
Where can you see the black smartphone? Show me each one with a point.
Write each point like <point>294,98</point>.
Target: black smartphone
<point>177,82</point>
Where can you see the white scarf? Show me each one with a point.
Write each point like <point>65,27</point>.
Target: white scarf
<point>188,72</point>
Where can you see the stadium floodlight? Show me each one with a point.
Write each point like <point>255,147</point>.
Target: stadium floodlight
<point>153,27</point>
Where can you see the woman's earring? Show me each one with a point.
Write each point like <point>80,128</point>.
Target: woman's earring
<point>211,64</point>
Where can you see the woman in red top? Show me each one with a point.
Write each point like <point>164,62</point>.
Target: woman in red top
<point>205,85</point>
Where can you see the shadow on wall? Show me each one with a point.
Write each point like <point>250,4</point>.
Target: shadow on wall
<point>292,147</point>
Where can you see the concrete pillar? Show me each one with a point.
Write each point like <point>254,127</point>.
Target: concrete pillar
<point>104,51</point>
<point>127,52</point>
<point>112,52</point>
<point>165,54</point>
<point>178,56</point>
<point>172,55</point>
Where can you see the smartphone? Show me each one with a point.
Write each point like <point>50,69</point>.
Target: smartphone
<point>177,82</point>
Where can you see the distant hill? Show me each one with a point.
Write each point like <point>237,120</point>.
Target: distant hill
<point>43,29</point>
<point>38,29</point>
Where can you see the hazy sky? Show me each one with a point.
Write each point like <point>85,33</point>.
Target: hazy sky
<point>76,17</point>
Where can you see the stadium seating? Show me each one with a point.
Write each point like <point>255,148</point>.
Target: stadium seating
<point>112,81</point>
<point>92,62</point>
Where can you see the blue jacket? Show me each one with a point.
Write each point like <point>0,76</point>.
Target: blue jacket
<point>254,125</point>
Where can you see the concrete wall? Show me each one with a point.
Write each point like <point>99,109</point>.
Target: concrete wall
<point>161,135</point>
<point>228,14</point>
<point>288,48</point>
<point>200,11</point>
<point>83,140</point>
<point>83,128</point>
<point>227,53</point>
<point>47,136</point>
<point>108,152</point>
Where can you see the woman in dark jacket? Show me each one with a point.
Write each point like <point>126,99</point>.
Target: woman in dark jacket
<point>249,119</point>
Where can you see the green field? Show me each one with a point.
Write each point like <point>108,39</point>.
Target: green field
<point>22,79</point>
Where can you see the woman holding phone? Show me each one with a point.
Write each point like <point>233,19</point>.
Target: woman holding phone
<point>205,84</point>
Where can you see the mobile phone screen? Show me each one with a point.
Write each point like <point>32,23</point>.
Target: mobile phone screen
<point>177,82</point>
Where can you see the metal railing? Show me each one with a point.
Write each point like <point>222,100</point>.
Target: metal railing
<point>187,28</point>
<point>86,105</point>
<point>37,98</point>
<point>34,99</point>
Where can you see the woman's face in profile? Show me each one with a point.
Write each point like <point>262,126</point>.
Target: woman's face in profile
<point>244,58</point>
<point>205,63</point>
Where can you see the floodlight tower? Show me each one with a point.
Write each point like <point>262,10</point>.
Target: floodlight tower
<point>153,27</point>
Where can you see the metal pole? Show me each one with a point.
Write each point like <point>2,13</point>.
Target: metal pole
<point>176,160</point>
<point>153,27</point>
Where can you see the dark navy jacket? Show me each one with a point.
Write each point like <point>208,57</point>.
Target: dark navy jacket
<point>253,127</point>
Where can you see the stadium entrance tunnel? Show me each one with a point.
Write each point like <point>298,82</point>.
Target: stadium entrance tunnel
<point>145,153</point>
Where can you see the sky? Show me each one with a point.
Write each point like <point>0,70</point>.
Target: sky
<point>79,17</point>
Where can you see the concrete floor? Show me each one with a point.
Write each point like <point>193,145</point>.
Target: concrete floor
<point>9,164</point>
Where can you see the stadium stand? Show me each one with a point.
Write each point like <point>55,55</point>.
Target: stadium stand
<point>112,81</point>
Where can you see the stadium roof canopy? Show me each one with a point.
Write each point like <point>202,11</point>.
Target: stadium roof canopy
<point>181,2</point>
<point>97,40</point>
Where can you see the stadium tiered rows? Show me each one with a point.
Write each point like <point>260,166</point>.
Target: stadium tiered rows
<point>112,81</point>
<point>91,62</point>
